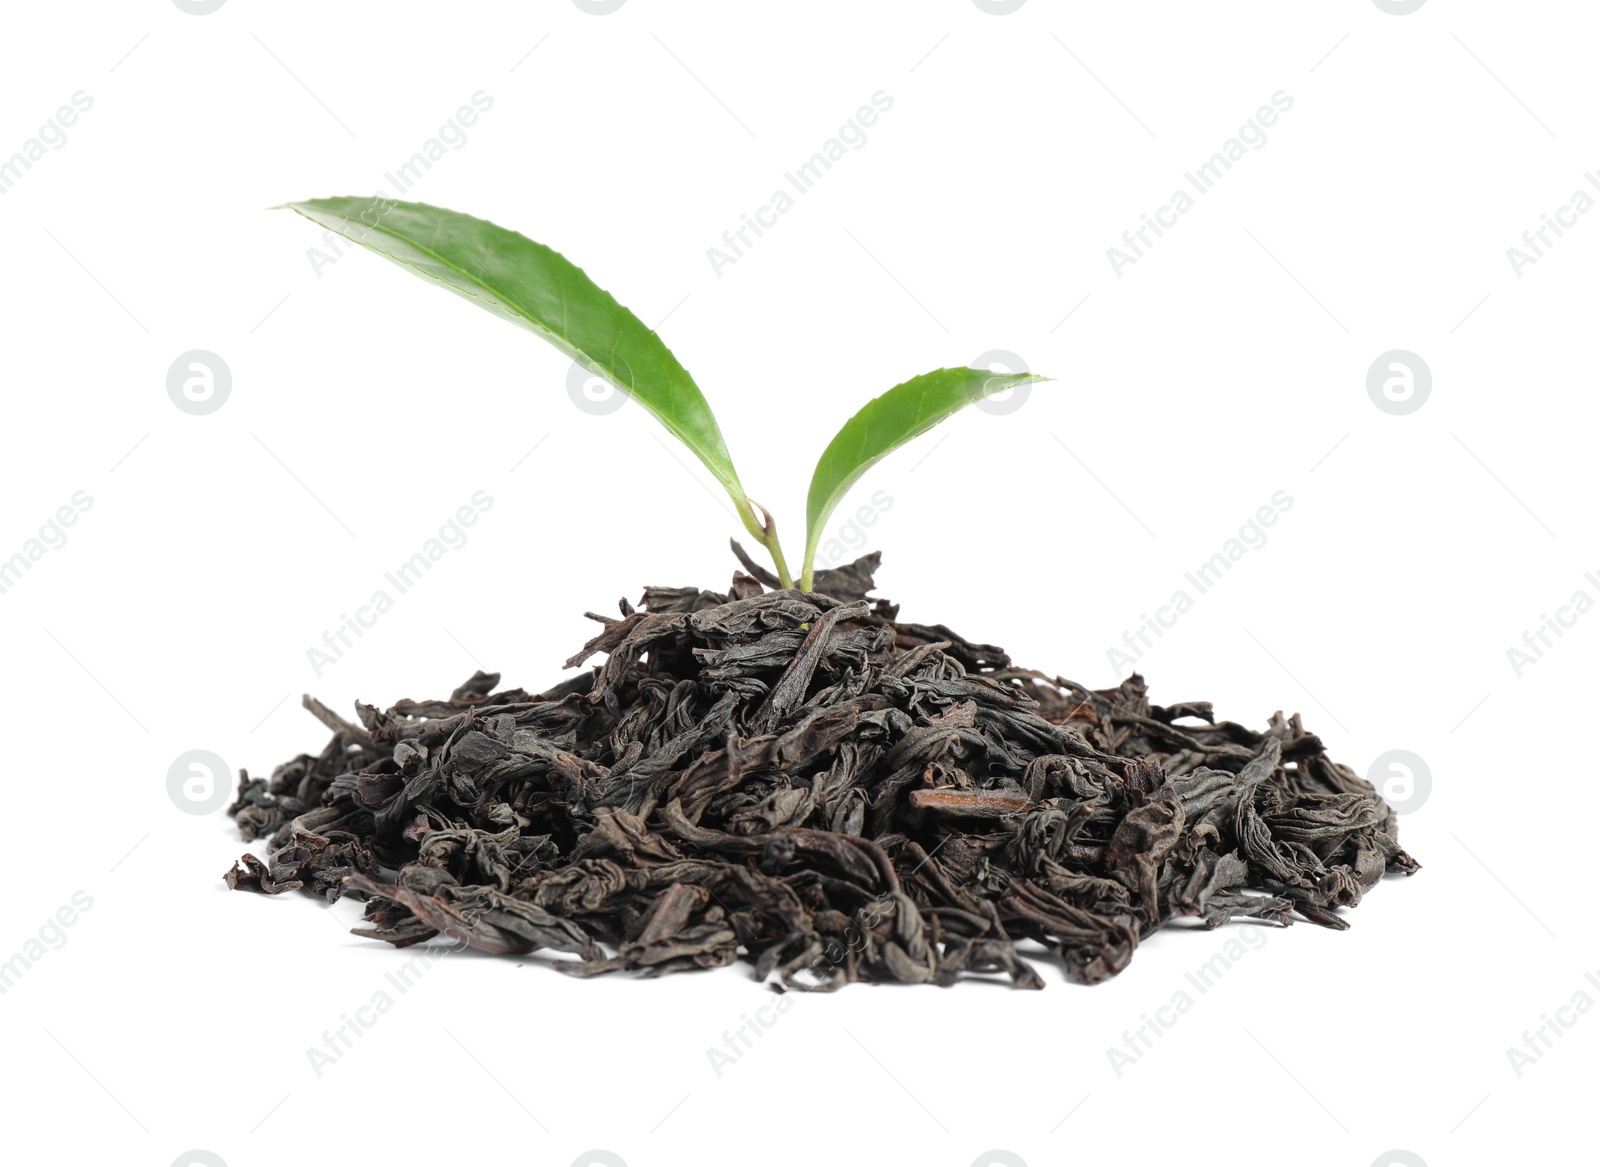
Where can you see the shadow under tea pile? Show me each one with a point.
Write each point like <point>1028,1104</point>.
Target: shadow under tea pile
<point>803,781</point>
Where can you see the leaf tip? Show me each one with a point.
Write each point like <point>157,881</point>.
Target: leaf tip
<point>1013,380</point>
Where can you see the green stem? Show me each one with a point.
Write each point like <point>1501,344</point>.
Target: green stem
<point>807,568</point>
<point>777,561</point>
<point>767,533</point>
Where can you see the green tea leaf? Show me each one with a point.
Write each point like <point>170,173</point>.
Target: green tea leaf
<point>531,285</point>
<point>886,423</point>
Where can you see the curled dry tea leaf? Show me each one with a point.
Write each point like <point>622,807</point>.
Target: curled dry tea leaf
<point>808,783</point>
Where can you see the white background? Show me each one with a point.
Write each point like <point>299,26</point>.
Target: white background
<point>1228,363</point>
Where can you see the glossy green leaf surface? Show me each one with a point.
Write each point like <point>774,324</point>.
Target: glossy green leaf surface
<point>529,284</point>
<point>886,423</point>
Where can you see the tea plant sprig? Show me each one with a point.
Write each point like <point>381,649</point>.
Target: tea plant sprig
<point>530,285</point>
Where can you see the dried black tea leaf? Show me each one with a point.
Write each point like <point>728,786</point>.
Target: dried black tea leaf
<point>802,781</point>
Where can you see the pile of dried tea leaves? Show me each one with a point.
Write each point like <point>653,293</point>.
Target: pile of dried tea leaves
<point>803,781</point>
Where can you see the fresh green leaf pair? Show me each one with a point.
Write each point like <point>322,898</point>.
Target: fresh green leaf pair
<point>529,284</point>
